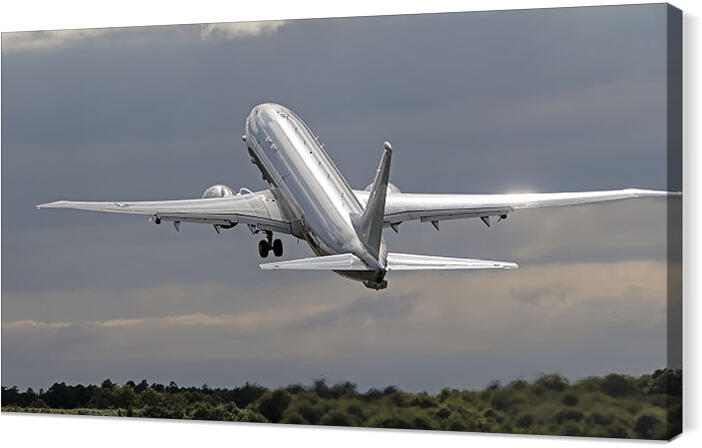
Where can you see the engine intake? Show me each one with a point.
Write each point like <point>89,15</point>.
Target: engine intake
<point>392,188</point>
<point>218,191</point>
<point>222,191</point>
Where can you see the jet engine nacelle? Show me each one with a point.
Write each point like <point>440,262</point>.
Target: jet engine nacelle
<point>222,191</point>
<point>392,188</point>
<point>218,191</point>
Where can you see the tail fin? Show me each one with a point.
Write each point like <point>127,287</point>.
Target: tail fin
<point>369,225</point>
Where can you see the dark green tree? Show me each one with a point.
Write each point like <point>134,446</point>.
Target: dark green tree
<point>272,404</point>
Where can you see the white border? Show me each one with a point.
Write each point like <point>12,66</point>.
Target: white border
<point>21,430</point>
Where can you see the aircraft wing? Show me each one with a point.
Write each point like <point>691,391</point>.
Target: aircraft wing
<point>259,209</point>
<point>400,207</point>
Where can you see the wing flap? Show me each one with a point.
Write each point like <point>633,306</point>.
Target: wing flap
<point>340,262</point>
<point>412,262</point>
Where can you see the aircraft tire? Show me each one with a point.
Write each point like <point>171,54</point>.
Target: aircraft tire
<point>263,248</point>
<point>277,248</point>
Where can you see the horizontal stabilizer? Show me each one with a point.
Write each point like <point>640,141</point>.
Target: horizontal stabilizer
<point>410,262</point>
<point>340,262</point>
<point>395,262</point>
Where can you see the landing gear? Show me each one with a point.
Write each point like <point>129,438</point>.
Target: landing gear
<point>277,248</point>
<point>265,246</point>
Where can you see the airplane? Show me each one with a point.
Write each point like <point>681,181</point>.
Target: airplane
<point>310,199</point>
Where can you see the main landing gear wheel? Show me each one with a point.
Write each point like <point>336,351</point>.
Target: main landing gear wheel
<point>277,248</point>
<point>263,248</point>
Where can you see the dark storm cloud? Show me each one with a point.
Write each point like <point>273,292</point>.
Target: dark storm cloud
<point>548,100</point>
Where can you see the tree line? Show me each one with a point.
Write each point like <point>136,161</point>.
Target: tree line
<point>622,406</point>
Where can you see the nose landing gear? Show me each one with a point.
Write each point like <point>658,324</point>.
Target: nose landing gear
<point>265,246</point>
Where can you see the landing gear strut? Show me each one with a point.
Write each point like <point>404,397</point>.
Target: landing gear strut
<point>265,246</point>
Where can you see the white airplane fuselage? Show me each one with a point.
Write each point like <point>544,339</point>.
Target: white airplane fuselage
<point>310,188</point>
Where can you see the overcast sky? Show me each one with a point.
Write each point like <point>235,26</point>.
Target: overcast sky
<point>541,100</point>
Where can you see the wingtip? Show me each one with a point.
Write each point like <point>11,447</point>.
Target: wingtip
<point>506,265</point>
<point>54,204</point>
<point>653,193</point>
<point>664,193</point>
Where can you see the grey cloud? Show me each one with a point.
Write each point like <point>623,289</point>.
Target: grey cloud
<point>48,40</point>
<point>386,308</point>
<point>540,295</point>
<point>239,29</point>
<point>39,40</point>
<point>442,316</point>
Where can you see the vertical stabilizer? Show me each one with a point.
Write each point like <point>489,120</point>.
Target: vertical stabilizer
<point>370,224</point>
